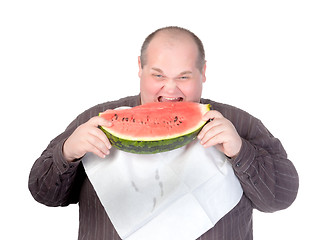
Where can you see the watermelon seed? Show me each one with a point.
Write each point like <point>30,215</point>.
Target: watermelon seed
<point>176,118</point>
<point>116,116</point>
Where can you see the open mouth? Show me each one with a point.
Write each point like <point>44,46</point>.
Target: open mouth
<point>170,99</point>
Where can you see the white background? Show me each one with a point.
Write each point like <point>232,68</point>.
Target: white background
<point>58,58</point>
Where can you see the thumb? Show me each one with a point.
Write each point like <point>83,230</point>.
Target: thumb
<point>211,115</point>
<point>99,121</point>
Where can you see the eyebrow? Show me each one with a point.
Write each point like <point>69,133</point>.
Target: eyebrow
<point>185,72</point>
<point>157,69</point>
<point>161,71</point>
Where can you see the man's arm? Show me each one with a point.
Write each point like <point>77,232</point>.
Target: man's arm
<point>57,175</point>
<point>259,160</point>
<point>53,180</point>
<point>267,177</point>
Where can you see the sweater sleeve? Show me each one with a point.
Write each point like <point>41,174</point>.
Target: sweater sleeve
<point>268,178</point>
<point>53,181</point>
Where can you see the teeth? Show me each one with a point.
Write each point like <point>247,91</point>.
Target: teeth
<point>169,99</point>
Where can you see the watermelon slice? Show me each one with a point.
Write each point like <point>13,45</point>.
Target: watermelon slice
<point>155,127</point>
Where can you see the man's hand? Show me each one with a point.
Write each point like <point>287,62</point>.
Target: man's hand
<point>88,138</point>
<point>221,133</point>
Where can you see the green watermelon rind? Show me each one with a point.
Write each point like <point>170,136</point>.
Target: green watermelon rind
<point>151,147</point>
<point>155,146</point>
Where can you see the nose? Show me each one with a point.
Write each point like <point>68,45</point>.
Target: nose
<point>170,85</point>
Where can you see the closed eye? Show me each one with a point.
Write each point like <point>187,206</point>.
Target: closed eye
<point>185,75</point>
<point>158,75</point>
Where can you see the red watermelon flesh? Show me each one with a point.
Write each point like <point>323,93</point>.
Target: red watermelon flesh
<point>156,121</point>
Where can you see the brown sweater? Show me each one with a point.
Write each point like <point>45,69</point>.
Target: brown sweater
<point>269,180</point>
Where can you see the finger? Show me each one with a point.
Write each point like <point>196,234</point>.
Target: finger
<point>213,114</point>
<point>98,152</point>
<point>99,121</point>
<point>213,132</point>
<point>216,140</point>
<point>97,146</point>
<point>208,127</point>
<point>101,135</point>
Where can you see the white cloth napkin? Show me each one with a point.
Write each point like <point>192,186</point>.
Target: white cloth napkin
<point>179,194</point>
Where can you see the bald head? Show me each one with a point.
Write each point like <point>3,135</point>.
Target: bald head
<point>171,35</point>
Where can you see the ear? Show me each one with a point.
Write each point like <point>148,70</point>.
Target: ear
<point>140,70</point>
<point>203,73</point>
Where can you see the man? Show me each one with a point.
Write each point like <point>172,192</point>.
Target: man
<point>171,68</point>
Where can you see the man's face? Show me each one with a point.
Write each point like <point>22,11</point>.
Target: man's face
<point>170,72</point>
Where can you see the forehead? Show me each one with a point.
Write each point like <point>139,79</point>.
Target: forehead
<point>172,39</point>
<point>172,50</point>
